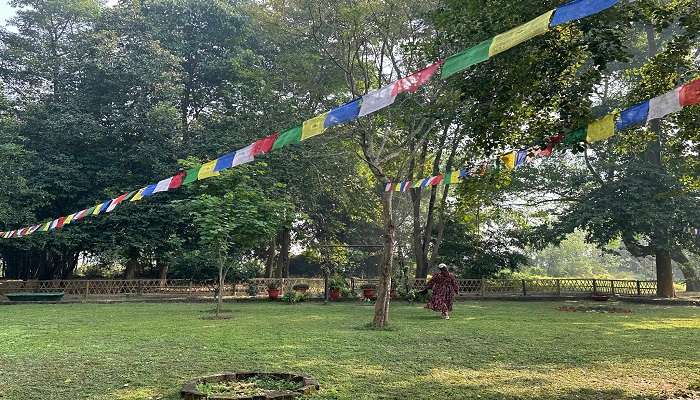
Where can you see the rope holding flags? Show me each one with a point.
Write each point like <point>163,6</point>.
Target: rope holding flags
<point>385,96</point>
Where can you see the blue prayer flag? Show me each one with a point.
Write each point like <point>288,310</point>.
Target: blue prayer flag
<point>520,158</point>
<point>224,162</point>
<point>578,9</point>
<point>464,173</point>
<point>104,206</point>
<point>345,113</point>
<point>635,115</point>
<point>148,191</point>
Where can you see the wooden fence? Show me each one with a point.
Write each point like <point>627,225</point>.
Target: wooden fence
<point>257,288</point>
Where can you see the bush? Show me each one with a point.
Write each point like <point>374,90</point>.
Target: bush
<point>252,289</point>
<point>300,286</point>
<point>273,285</point>
<point>337,282</point>
<point>417,296</point>
<point>293,297</point>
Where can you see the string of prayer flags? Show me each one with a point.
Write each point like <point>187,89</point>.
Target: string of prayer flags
<point>378,99</point>
<point>138,196</point>
<point>690,93</point>
<point>148,190</point>
<point>667,103</point>
<point>291,136</point>
<point>521,158</point>
<point>575,137</point>
<point>345,113</point>
<point>313,127</point>
<point>579,9</point>
<point>633,116</point>
<point>601,129</point>
<point>412,82</point>
<point>453,177</point>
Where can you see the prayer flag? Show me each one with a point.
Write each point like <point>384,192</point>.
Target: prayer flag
<point>601,129</point>
<point>46,227</point>
<point>264,145</point>
<point>69,219</point>
<point>224,162</point>
<point>97,208</point>
<point>161,186</point>
<point>54,223</point>
<point>35,228</point>
<point>635,115</point>
<point>148,191</point>
<point>388,187</point>
<point>375,101</point>
<point>509,160</point>
<point>520,34</point>
<point>206,171</point>
<point>116,202</point>
<point>190,177</point>
<point>345,113</point>
<point>453,177</point>
<point>575,137</point>
<point>139,195</point>
<point>425,182</point>
<point>175,182</point>
<point>665,104</point>
<point>412,82</point>
<point>103,207</point>
<point>578,9</point>
<point>405,186</point>
<point>291,136</point>
<point>690,93</point>
<point>520,158</point>
<point>544,152</point>
<point>464,173</point>
<point>80,215</point>
<point>436,180</point>
<point>397,186</point>
<point>461,61</point>
<point>243,156</point>
<point>314,126</point>
<point>60,223</point>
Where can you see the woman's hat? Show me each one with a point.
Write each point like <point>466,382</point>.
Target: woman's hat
<point>443,267</point>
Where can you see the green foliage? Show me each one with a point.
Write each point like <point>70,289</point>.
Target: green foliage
<point>293,297</point>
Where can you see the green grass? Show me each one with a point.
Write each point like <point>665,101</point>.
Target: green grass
<point>488,350</point>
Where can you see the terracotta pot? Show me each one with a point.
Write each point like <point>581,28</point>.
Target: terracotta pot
<point>369,293</point>
<point>334,294</point>
<point>273,293</point>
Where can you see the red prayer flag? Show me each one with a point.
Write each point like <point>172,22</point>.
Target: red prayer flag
<point>412,82</point>
<point>546,152</point>
<point>690,93</point>
<point>436,180</point>
<point>264,145</point>
<point>176,182</point>
<point>556,139</point>
<point>61,220</point>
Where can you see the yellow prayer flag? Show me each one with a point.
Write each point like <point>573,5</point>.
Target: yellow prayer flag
<point>601,129</point>
<point>454,177</point>
<point>96,211</point>
<point>207,170</point>
<point>68,219</point>
<point>522,33</point>
<point>313,126</point>
<point>509,160</point>
<point>138,196</point>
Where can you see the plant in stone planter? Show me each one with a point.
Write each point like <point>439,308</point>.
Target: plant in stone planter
<point>301,287</point>
<point>369,291</point>
<point>252,289</point>
<point>335,285</point>
<point>273,290</point>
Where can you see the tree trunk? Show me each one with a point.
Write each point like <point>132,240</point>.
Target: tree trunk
<point>270,259</point>
<point>132,263</point>
<point>664,274</point>
<point>220,289</point>
<point>162,271</point>
<point>285,243</point>
<point>381,307</point>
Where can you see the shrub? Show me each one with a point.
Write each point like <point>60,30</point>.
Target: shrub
<point>301,286</point>
<point>252,289</point>
<point>368,286</point>
<point>273,285</point>
<point>293,297</point>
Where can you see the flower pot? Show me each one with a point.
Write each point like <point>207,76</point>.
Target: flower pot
<point>334,294</point>
<point>273,293</point>
<point>369,293</point>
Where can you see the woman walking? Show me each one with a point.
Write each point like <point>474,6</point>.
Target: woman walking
<point>444,287</point>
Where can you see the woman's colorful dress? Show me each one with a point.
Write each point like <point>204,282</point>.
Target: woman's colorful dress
<point>444,287</point>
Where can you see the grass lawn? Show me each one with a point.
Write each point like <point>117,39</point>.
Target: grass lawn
<point>488,350</point>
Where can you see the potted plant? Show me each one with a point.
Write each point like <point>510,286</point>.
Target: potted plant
<point>369,291</point>
<point>334,286</point>
<point>301,287</point>
<point>273,290</point>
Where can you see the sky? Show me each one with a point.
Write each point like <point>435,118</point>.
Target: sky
<point>6,11</point>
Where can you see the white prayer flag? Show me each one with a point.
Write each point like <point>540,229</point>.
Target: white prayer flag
<point>243,156</point>
<point>665,104</point>
<point>375,101</point>
<point>163,185</point>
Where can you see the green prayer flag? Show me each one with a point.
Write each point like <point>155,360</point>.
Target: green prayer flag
<point>461,61</point>
<point>192,175</point>
<point>577,136</point>
<point>290,136</point>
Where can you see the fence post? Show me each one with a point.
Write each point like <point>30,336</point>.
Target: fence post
<point>524,289</point>
<point>87,290</point>
<point>595,287</point>
<point>612,287</point>
<point>639,288</point>
<point>558,287</point>
<point>139,287</point>
<point>483,287</point>
<point>325,285</point>
<point>352,284</point>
